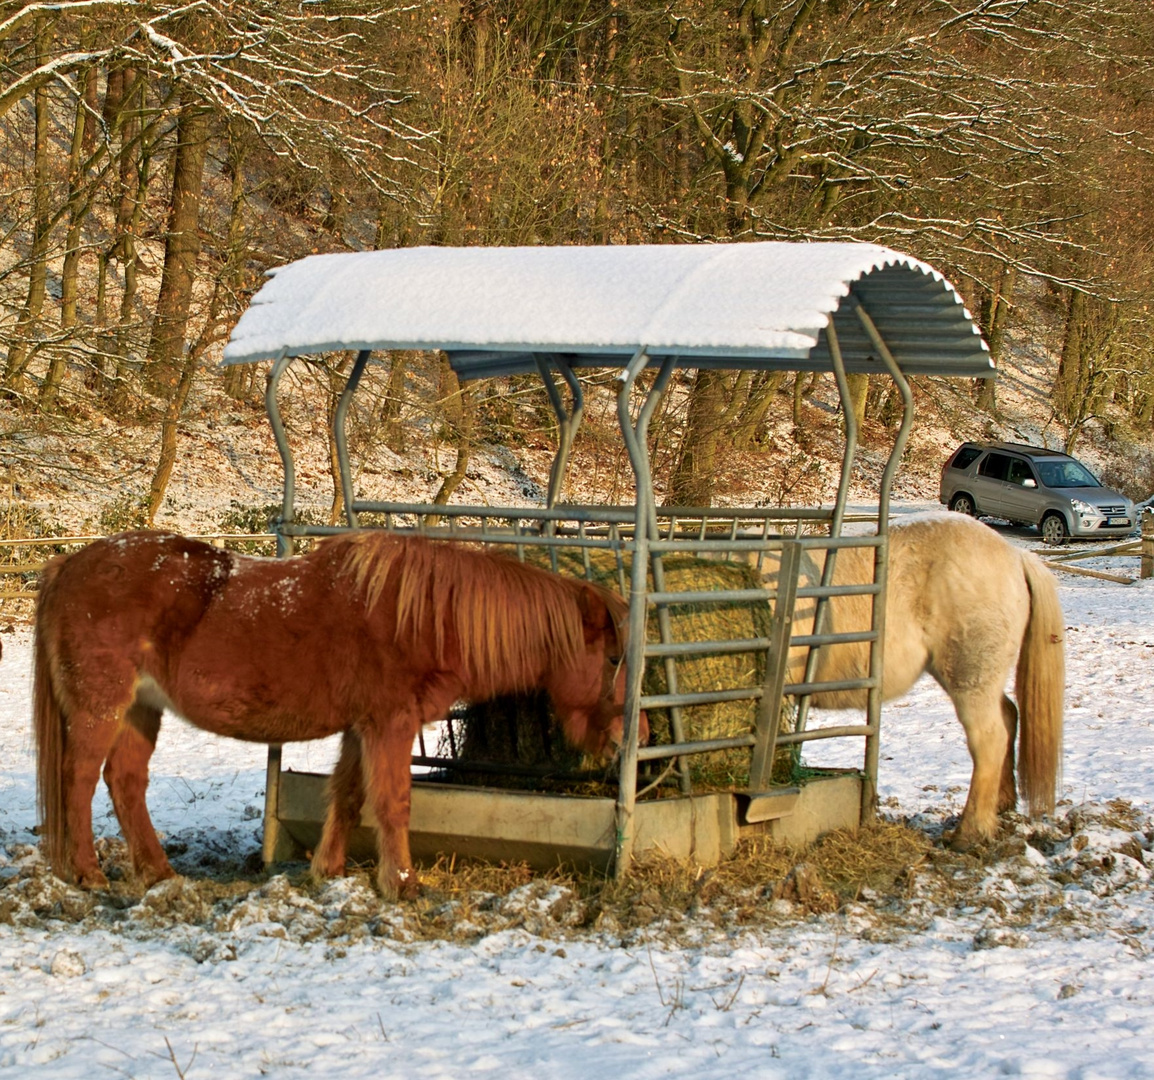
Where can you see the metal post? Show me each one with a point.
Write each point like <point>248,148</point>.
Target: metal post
<point>777,662</point>
<point>340,436</point>
<point>283,544</point>
<point>645,518</point>
<point>270,842</point>
<point>848,454</point>
<point>568,420</point>
<point>881,566</point>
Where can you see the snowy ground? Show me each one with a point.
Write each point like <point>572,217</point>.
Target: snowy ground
<point>1047,975</point>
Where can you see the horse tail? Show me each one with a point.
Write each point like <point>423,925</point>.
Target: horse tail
<point>1039,685</point>
<point>49,724</point>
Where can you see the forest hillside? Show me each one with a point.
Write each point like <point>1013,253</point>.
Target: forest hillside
<point>157,158</point>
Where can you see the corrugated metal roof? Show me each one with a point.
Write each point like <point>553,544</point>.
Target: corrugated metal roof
<point>759,305</point>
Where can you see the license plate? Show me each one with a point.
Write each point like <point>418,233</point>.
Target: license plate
<point>1118,521</point>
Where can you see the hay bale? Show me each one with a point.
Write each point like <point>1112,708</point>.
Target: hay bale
<point>519,731</point>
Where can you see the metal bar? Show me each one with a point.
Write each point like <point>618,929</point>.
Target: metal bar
<point>881,564</point>
<point>849,452</point>
<point>720,596</point>
<point>271,825</point>
<point>283,546</point>
<point>635,649</point>
<point>340,435</point>
<point>753,596</point>
<point>836,590</point>
<point>792,738</point>
<point>568,420</point>
<point>738,742</point>
<point>707,648</point>
<point>755,543</point>
<point>829,687</point>
<point>494,768</point>
<point>768,718</point>
<point>701,697</point>
<point>270,838</point>
<point>834,638</point>
<point>662,753</point>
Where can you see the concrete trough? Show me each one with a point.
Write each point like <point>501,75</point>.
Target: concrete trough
<point>545,830</point>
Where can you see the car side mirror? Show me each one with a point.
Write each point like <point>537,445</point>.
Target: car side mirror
<point>1029,482</point>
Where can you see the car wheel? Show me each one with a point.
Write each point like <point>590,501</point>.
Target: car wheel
<point>1054,530</point>
<point>963,504</point>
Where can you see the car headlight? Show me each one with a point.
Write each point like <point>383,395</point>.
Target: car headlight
<point>1084,509</point>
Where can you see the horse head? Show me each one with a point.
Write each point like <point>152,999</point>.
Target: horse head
<point>589,694</point>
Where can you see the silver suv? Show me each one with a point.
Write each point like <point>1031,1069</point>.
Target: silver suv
<point>1031,486</point>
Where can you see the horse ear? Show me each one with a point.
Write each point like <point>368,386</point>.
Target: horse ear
<point>598,616</point>
<point>595,614</point>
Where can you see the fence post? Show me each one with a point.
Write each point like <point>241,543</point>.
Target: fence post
<point>1147,570</point>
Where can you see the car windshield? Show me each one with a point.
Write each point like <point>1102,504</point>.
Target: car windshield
<point>1065,474</point>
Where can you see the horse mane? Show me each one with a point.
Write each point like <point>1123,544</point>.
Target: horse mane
<point>484,612</point>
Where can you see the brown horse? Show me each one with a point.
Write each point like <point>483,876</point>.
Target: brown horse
<point>371,634</point>
<point>968,607</point>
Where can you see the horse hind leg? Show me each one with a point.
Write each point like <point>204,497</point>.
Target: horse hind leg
<point>988,737</point>
<point>1008,792</point>
<point>89,740</point>
<point>346,796</point>
<point>126,774</point>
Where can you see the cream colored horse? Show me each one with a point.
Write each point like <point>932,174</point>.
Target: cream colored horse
<point>966,606</point>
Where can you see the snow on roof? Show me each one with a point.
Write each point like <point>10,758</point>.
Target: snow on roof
<point>763,304</point>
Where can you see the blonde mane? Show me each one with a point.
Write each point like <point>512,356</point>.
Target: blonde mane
<point>495,612</point>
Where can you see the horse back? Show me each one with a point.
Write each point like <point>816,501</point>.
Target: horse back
<point>134,594</point>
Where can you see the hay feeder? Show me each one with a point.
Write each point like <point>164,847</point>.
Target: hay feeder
<point>644,312</point>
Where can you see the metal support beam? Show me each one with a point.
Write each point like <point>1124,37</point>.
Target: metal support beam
<point>881,564</point>
<point>849,452</point>
<point>283,544</point>
<point>568,420</point>
<point>340,434</point>
<point>768,719</point>
<point>635,435</point>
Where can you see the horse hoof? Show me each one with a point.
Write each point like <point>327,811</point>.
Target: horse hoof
<point>150,876</point>
<point>965,842</point>
<point>404,885</point>
<point>92,879</point>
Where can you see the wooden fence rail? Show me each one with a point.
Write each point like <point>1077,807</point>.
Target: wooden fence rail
<point>8,569</point>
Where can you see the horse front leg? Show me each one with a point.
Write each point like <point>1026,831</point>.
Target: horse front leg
<point>988,740</point>
<point>126,774</point>
<point>346,796</point>
<point>388,785</point>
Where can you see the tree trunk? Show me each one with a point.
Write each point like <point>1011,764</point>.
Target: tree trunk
<point>174,407</point>
<point>459,412</point>
<point>168,431</point>
<point>20,353</point>
<point>123,103</point>
<point>995,313</point>
<point>166,345</point>
<point>756,407</point>
<point>69,287</point>
<point>693,477</point>
<point>238,378</point>
<point>393,430</point>
<point>1069,383</point>
<point>858,392</point>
